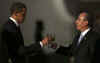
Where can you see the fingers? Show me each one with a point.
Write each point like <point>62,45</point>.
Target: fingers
<point>45,40</point>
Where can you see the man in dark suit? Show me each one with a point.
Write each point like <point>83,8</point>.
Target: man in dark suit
<point>12,39</point>
<point>85,44</point>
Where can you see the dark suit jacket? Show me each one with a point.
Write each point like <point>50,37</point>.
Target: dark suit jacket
<point>86,51</point>
<point>14,44</point>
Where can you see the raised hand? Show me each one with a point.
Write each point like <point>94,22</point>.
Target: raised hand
<point>48,39</point>
<point>45,40</point>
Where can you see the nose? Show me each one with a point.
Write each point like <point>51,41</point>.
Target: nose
<point>76,22</point>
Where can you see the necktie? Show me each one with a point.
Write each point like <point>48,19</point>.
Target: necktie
<point>80,38</point>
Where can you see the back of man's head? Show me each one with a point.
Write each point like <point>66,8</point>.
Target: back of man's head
<point>17,7</point>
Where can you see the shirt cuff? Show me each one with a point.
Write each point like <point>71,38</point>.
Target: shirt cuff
<point>41,44</point>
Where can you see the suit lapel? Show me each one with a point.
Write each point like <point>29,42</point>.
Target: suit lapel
<point>20,36</point>
<point>84,40</point>
<point>74,45</point>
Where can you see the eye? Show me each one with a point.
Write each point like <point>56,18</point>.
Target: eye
<point>78,19</point>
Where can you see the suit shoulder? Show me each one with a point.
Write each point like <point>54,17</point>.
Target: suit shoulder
<point>9,26</point>
<point>95,34</point>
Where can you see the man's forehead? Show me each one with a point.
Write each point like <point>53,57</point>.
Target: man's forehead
<point>83,14</point>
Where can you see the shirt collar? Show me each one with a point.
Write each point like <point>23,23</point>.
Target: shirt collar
<point>14,21</point>
<point>85,32</point>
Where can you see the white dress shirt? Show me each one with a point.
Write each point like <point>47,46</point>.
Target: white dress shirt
<point>14,21</point>
<point>82,35</point>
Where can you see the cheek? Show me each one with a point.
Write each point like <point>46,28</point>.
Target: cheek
<point>78,25</point>
<point>21,18</point>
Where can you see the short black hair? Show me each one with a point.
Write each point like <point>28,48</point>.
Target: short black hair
<point>90,17</point>
<point>17,6</point>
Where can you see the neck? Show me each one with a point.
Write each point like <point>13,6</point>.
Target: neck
<point>14,17</point>
<point>83,29</point>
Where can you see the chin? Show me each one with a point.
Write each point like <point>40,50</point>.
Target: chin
<point>21,22</point>
<point>78,28</point>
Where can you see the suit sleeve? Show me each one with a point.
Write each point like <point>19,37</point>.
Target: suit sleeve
<point>63,50</point>
<point>96,56</point>
<point>34,48</point>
